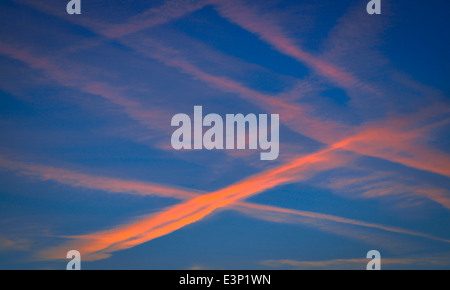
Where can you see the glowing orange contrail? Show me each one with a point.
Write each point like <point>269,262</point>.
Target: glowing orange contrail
<point>113,185</point>
<point>98,245</point>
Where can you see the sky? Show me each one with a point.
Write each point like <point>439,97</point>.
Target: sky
<point>86,161</point>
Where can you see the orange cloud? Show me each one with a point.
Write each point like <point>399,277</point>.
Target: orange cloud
<point>7,244</point>
<point>396,141</point>
<point>98,245</point>
<point>112,185</point>
<point>383,184</point>
<point>151,118</point>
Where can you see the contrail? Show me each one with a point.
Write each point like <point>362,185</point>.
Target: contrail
<point>99,245</point>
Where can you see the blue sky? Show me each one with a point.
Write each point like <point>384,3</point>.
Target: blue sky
<point>86,103</point>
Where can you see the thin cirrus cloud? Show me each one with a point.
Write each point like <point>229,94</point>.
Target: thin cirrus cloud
<point>150,118</point>
<point>430,261</point>
<point>8,244</point>
<point>266,212</point>
<point>227,84</point>
<point>168,11</point>
<point>99,245</point>
<point>373,184</point>
<point>232,10</point>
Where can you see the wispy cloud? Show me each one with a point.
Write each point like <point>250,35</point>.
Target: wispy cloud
<point>280,214</point>
<point>150,118</point>
<point>114,185</point>
<point>397,139</point>
<point>154,16</point>
<point>437,261</point>
<point>8,244</point>
<point>99,245</point>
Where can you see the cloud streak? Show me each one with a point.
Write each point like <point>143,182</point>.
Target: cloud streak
<point>430,261</point>
<point>114,185</point>
<point>386,140</point>
<point>99,245</point>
